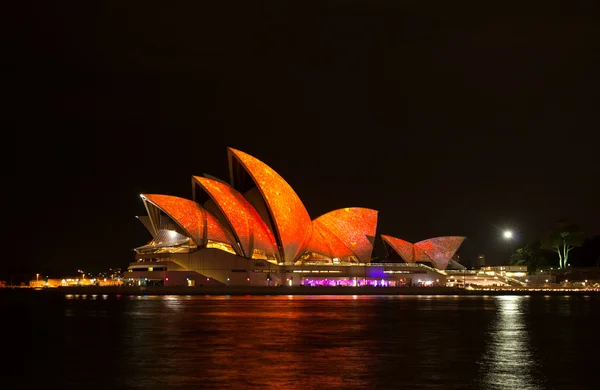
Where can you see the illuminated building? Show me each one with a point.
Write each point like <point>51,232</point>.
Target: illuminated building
<point>255,230</point>
<point>74,281</point>
<point>498,276</point>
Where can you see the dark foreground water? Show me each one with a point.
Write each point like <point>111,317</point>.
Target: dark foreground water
<point>299,342</point>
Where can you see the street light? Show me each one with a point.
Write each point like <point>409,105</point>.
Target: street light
<point>508,234</point>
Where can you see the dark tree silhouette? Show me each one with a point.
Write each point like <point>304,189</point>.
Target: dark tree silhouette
<point>530,255</point>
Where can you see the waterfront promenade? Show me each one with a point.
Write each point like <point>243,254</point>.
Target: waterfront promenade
<point>302,290</point>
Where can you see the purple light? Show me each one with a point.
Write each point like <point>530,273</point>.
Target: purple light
<point>353,282</point>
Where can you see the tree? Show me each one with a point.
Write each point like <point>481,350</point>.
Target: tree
<point>562,239</point>
<point>519,257</point>
<point>530,255</point>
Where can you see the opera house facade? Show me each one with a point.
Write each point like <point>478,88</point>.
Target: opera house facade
<point>255,231</point>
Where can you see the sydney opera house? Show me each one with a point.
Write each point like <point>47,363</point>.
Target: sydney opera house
<point>255,231</point>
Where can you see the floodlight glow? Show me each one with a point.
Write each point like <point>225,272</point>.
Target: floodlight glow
<point>508,234</point>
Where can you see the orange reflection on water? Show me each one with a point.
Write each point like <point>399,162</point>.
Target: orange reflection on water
<point>277,342</point>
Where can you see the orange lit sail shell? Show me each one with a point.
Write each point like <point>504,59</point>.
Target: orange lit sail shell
<point>193,219</point>
<point>247,225</point>
<point>293,226</point>
<point>440,249</point>
<point>353,226</point>
<point>326,243</point>
<point>403,248</point>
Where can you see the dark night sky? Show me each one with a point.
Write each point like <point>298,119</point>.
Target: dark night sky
<point>450,118</point>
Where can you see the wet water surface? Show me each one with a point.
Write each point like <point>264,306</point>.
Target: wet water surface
<point>301,342</point>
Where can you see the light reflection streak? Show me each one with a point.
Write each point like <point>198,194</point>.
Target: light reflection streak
<point>510,361</point>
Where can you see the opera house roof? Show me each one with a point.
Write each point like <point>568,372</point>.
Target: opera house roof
<point>258,215</point>
<point>437,251</point>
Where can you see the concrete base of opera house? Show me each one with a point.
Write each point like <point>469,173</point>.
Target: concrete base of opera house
<point>301,290</point>
<point>259,290</point>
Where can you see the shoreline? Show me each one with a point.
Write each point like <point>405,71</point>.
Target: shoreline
<point>294,290</point>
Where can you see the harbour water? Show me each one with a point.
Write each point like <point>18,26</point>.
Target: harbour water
<point>299,342</point>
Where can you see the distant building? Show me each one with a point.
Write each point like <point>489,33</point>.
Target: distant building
<point>480,261</point>
<point>498,276</point>
<point>513,271</point>
<point>74,281</point>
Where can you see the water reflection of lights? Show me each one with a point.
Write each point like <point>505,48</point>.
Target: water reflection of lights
<point>510,361</point>
<point>172,302</point>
